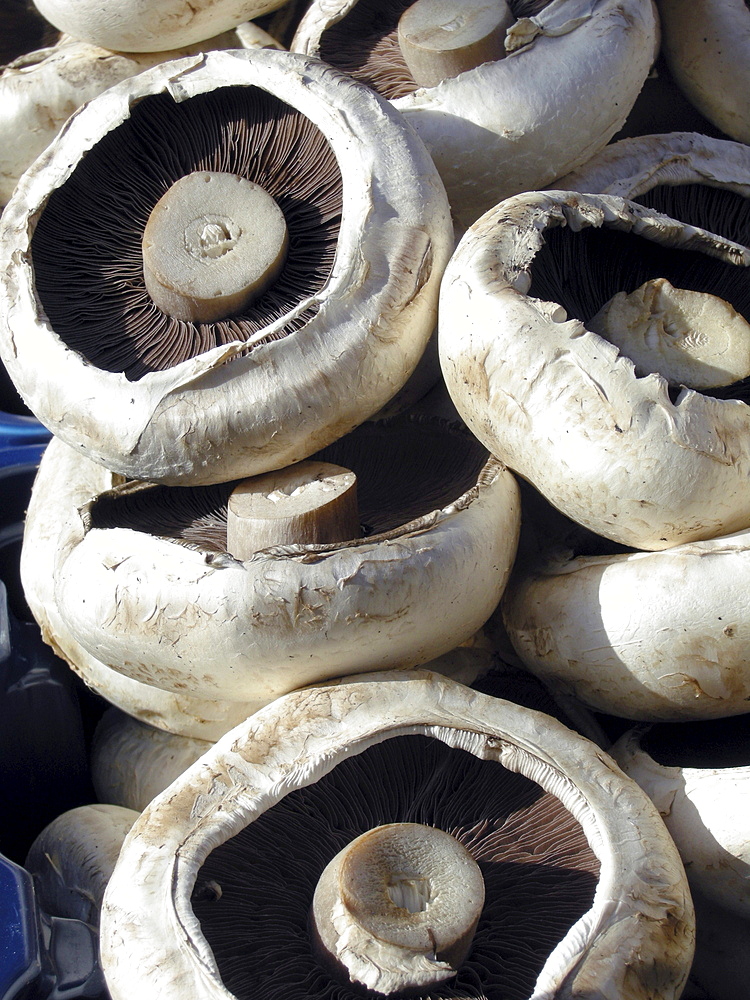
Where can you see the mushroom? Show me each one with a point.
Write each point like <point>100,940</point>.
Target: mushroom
<point>633,459</point>
<point>698,777</point>
<point>246,590</point>
<point>42,88</point>
<point>334,338</point>
<point>644,635</point>
<point>132,762</point>
<point>149,25</point>
<point>508,116</point>
<point>65,482</point>
<point>692,177</point>
<point>707,54</point>
<point>199,904</point>
<point>72,859</point>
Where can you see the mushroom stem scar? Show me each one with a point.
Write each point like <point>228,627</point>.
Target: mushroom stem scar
<point>305,504</point>
<point>397,908</point>
<point>213,243</point>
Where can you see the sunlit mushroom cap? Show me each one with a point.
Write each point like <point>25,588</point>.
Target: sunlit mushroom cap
<point>709,56</point>
<point>514,123</point>
<point>635,459</point>
<point>40,90</point>
<point>200,904</point>
<point>698,777</point>
<point>149,25</point>
<point>66,481</point>
<point>326,345</point>
<point>150,588</point>
<point>679,160</point>
<point>644,635</point>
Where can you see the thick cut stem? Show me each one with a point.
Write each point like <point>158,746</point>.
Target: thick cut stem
<point>691,338</point>
<point>397,908</point>
<point>311,503</point>
<point>212,244</point>
<point>441,39</point>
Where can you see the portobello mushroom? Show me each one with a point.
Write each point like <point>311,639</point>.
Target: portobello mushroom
<point>200,902</point>
<point>329,342</point>
<point>645,461</point>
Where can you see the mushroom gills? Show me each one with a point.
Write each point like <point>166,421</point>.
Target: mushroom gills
<point>398,907</point>
<point>538,869</point>
<point>691,338</point>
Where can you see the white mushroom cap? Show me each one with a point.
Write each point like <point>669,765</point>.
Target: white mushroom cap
<point>709,56</point>
<point>132,762</point>
<point>66,481</point>
<point>631,167</point>
<point>634,941</point>
<point>149,25</point>
<point>703,807</point>
<point>559,404</point>
<point>518,122</point>
<point>72,859</point>
<point>269,398</point>
<point>40,91</point>
<point>184,615</point>
<point>644,635</point>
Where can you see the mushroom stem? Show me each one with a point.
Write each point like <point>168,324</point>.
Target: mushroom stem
<point>397,908</point>
<point>438,40</point>
<point>213,243</point>
<point>311,503</point>
<point>691,338</point>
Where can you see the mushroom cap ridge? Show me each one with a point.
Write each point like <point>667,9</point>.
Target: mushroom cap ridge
<point>563,409</point>
<point>272,406</point>
<point>637,937</point>
<point>630,167</point>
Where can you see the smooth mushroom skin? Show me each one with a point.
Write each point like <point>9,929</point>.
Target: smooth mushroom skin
<point>557,403</point>
<point>704,807</point>
<point>518,122</point>
<point>643,635</point>
<point>151,590</point>
<point>66,481</point>
<point>72,859</point>
<point>707,54</point>
<point>292,381</point>
<point>610,951</point>
<point>150,25</point>
<point>132,762</point>
<point>40,90</point>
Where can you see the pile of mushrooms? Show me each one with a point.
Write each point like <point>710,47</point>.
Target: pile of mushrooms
<point>214,281</point>
<point>535,58</point>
